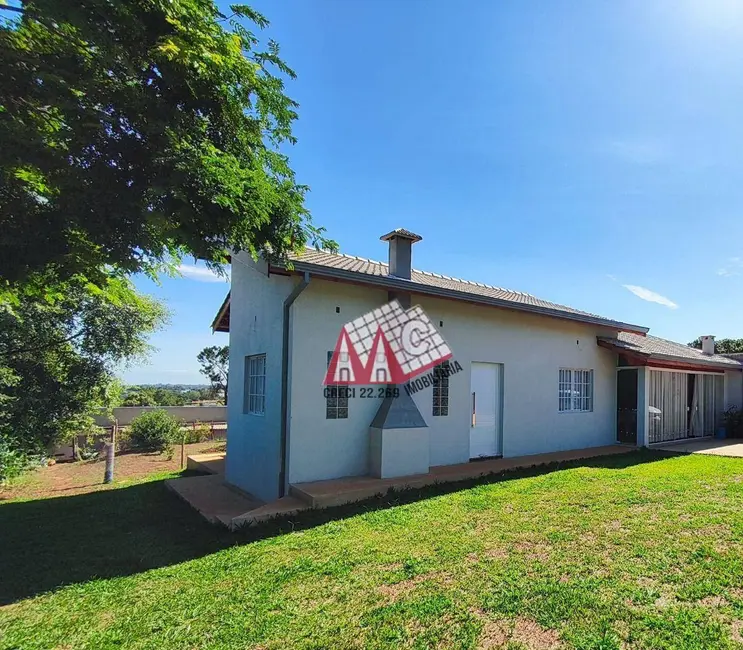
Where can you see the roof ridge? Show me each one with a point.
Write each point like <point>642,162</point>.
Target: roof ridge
<point>431,273</point>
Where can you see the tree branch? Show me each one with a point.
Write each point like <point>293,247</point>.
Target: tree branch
<point>42,347</point>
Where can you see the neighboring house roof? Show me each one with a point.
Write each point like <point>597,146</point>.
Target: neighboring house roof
<point>358,269</point>
<point>652,347</point>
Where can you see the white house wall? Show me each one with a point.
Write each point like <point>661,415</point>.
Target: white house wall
<point>733,389</point>
<point>321,448</point>
<point>531,348</point>
<point>256,314</point>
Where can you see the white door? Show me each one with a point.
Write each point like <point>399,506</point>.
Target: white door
<point>485,396</point>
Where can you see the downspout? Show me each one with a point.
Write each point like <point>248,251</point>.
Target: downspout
<point>285,380</point>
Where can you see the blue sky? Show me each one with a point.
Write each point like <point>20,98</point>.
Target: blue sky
<point>587,153</point>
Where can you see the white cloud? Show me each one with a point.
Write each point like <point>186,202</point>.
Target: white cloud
<point>638,151</point>
<point>733,266</point>
<point>650,296</point>
<point>200,273</point>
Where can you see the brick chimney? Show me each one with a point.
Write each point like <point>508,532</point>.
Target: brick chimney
<point>401,251</point>
<point>708,344</point>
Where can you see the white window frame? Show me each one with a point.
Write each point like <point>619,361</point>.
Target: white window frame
<point>336,402</point>
<point>575,390</point>
<point>440,395</point>
<point>255,385</point>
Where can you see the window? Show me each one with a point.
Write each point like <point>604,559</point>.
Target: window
<point>336,402</point>
<point>441,389</point>
<point>575,390</point>
<point>255,385</point>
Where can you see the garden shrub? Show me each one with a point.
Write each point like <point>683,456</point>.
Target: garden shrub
<point>13,462</point>
<point>199,432</point>
<point>155,431</point>
<point>733,420</point>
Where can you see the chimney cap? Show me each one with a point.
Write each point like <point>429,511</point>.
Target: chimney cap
<point>403,234</point>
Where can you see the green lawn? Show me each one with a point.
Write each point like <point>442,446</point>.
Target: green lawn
<point>638,550</point>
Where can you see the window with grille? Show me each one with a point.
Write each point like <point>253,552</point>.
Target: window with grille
<point>441,389</point>
<point>575,390</point>
<point>336,402</point>
<point>254,401</point>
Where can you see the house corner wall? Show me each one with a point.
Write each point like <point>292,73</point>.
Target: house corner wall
<point>256,316</point>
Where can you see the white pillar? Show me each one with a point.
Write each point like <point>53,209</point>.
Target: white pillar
<point>643,404</point>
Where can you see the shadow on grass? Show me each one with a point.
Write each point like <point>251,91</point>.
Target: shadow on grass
<point>48,543</point>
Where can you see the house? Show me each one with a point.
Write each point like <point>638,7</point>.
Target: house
<point>524,375</point>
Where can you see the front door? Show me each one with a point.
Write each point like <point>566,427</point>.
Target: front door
<point>485,396</point>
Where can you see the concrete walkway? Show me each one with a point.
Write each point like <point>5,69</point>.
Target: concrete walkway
<point>219,502</point>
<point>705,446</point>
<point>335,492</point>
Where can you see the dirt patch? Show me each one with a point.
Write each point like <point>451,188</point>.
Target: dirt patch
<point>736,630</point>
<point>534,551</point>
<point>66,479</point>
<point>522,631</point>
<point>497,554</point>
<point>712,602</point>
<point>393,592</point>
<point>495,634</point>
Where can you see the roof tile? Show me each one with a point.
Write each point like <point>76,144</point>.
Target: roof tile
<point>428,279</point>
<point>653,345</point>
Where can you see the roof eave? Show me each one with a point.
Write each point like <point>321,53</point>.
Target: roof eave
<point>216,323</point>
<point>392,282</point>
<point>711,363</point>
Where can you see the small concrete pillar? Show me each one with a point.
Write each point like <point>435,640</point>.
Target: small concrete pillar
<point>398,439</point>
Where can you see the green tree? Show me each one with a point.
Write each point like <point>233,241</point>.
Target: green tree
<point>155,431</point>
<point>723,346</point>
<point>136,131</point>
<point>58,356</point>
<point>139,397</point>
<point>215,361</point>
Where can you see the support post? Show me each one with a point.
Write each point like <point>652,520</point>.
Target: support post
<point>643,406</point>
<point>108,477</point>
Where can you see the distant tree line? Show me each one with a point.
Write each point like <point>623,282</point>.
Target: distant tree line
<point>167,395</point>
<point>723,346</point>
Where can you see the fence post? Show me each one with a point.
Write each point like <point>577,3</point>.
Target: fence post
<point>183,451</point>
<point>108,477</point>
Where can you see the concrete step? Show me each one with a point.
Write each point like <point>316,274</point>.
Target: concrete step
<point>280,508</point>
<point>206,463</point>
<point>212,498</point>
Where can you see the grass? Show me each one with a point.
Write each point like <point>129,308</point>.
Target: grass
<point>640,551</point>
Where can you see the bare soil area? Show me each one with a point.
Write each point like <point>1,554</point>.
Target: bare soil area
<point>70,478</point>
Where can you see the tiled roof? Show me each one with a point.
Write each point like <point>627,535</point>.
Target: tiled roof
<point>454,287</point>
<point>663,348</point>
<point>402,233</point>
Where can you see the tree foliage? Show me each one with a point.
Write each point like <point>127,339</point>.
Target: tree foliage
<point>58,354</point>
<point>138,130</point>
<point>723,346</point>
<point>164,395</point>
<point>215,361</point>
